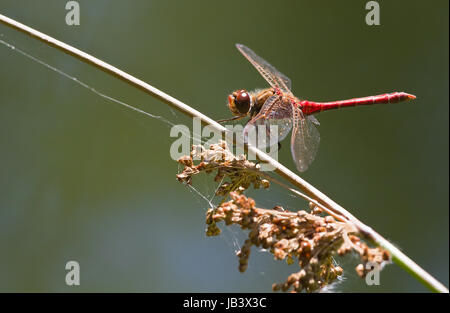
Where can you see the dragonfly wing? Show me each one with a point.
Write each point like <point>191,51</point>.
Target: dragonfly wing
<point>271,125</point>
<point>314,120</point>
<point>274,77</point>
<point>304,141</point>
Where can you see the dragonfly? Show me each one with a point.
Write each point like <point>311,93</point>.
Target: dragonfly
<point>277,106</point>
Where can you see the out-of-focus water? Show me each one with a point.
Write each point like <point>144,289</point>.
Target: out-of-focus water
<point>84,179</point>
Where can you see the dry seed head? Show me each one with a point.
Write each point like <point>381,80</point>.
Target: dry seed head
<point>288,235</point>
<point>310,238</point>
<point>235,173</point>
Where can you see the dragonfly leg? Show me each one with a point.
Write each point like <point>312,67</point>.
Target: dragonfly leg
<point>230,119</point>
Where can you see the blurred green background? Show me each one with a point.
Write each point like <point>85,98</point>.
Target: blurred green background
<point>84,179</point>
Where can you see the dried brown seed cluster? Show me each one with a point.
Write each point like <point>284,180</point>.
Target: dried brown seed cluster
<point>374,256</point>
<point>310,238</point>
<point>233,173</point>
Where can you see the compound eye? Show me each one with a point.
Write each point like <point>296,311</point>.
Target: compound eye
<point>242,101</point>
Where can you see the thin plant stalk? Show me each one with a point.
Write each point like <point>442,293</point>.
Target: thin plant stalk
<point>397,256</point>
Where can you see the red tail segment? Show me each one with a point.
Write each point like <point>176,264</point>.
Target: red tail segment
<point>309,107</point>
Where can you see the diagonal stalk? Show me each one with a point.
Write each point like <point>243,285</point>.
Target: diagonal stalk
<point>398,257</point>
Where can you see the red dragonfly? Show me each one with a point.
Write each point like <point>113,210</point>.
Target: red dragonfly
<point>278,106</point>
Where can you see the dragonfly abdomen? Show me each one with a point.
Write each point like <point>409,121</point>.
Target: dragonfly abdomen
<point>310,107</point>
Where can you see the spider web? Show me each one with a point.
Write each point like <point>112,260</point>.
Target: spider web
<point>202,189</point>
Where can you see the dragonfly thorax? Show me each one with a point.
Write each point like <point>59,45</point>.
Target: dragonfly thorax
<point>259,97</point>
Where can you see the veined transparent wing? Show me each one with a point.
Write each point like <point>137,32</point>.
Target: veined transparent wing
<point>271,125</point>
<point>314,120</point>
<point>275,78</point>
<point>304,141</point>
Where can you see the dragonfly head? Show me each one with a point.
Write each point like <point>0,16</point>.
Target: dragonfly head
<point>239,102</point>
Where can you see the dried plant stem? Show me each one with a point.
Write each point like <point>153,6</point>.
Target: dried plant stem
<point>397,256</point>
